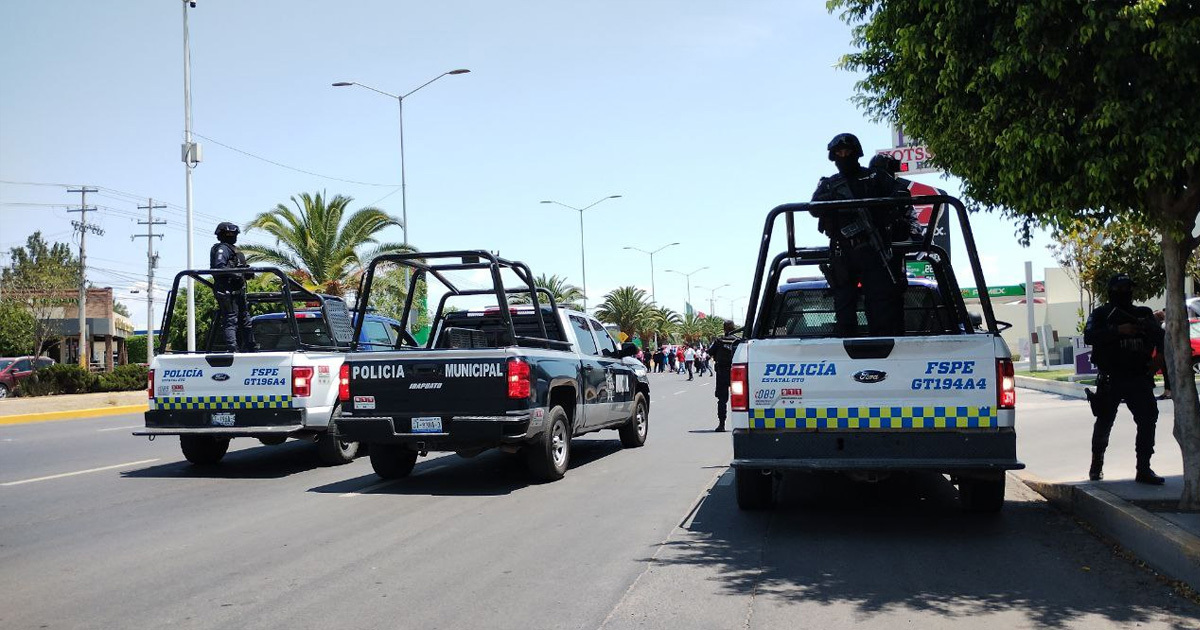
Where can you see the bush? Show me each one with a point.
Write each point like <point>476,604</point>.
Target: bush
<point>135,348</point>
<point>123,378</point>
<point>72,379</point>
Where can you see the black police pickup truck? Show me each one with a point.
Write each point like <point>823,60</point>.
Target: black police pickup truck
<point>519,378</point>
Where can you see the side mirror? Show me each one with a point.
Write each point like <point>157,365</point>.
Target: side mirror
<point>628,349</point>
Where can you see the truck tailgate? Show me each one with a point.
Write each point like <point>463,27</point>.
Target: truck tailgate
<point>442,383</point>
<point>260,380</point>
<point>875,384</point>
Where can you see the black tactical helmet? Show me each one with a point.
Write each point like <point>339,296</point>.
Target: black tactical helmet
<point>847,140</point>
<point>226,226</point>
<point>1120,280</point>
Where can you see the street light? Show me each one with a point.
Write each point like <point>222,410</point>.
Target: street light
<point>400,102</point>
<point>403,180</point>
<point>712,297</point>
<point>689,281</point>
<point>582,260</point>
<point>733,313</point>
<point>638,249</point>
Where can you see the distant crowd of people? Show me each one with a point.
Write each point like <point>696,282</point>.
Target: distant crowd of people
<point>680,359</point>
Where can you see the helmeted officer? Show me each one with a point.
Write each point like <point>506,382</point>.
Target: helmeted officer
<point>854,260</point>
<point>721,352</point>
<point>1123,339</point>
<point>234,317</point>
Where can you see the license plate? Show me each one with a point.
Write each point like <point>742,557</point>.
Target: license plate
<point>427,425</point>
<point>223,419</point>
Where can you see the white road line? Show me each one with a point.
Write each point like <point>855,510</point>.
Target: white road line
<point>79,472</point>
<point>682,391</point>
<point>132,426</point>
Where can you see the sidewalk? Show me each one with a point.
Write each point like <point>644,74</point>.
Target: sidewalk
<point>1143,519</point>
<point>70,406</point>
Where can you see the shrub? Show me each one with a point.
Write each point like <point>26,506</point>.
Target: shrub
<point>123,378</point>
<point>58,379</point>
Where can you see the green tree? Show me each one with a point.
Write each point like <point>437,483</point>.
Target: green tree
<point>44,278</point>
<point>16,329</point>
<point>318,244</point>
<point>627,307</point>
<point>662,323</point>
<point>1050,112</point>
<point>120,309</point>
<point>565,294</point>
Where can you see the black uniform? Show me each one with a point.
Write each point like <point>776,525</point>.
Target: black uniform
<point>721,353</point>
<point>234,317</point>
<point>1126,375</point>
<point>854,260</point>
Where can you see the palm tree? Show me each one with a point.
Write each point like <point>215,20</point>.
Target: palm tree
<point>315,246</point>
<point>565,295</point>
<point>692,329</point>
<point>661,324</point>
<point>627,307</point>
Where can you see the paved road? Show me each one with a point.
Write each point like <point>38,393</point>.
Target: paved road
<point>646,538</point>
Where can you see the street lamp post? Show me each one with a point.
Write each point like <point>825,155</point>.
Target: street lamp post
<point>582,260</point>
<point>653,296</point>
<point>689,281</point>
<point>712,297</point>
<point>732,301</point>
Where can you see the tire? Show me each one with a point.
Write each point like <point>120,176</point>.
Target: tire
<point>755,488</point>
<point>203,450</point>
<point>331,449</point>
<point>273,440</point>
<point>3,390</point>
<point>982,496</point>
<point>392,461</point>
<point>633,433</point>
<point>550,455</point>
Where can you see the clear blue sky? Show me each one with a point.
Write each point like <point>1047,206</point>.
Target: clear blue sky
<point>703,114</point>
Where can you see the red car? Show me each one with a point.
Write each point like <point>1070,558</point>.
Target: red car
<point>1194,328</point>
<point>14,369</point>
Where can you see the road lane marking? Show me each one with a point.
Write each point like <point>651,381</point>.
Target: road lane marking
<point>77,414</point>
<point>80,472</point>
<point>131,426</point>
<point>682,391</point>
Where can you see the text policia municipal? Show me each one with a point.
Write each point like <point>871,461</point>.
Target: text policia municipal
<point>451,370</point>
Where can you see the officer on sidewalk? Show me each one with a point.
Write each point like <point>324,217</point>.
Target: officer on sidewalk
<point>234,317</point>
<point>721,352</point>
<point>1123,339</point>
<point>861,242</point>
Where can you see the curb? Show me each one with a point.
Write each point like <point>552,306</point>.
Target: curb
<point>1062,388</point>
<point>1163,545</point>
<point>72,414</point>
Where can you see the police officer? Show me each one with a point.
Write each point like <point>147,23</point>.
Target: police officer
<point>1123,338</point>
<point>234,317</point>
<point>853,258</point>
<point>721,352</point>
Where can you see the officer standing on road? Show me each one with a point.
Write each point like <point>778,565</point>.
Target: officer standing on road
<point>1123,338</point>
<point>230,291</point>
<point>721,352</point>
<point>853,257</point>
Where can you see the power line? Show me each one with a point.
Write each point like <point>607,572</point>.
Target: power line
<point>290,168</point>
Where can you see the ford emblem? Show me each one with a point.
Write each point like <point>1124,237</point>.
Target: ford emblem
<point>221,376</point>
<point>870,376</point>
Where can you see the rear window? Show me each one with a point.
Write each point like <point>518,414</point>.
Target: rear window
<point>495,333</point>
<point>809,312</point>
<point>276,334</point>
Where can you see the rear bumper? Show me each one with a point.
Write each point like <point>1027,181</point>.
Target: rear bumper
<point>246,422</point>
<point>458,432</point>
<point>938,451</point>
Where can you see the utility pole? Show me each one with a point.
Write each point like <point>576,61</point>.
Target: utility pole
<point>151,263</point>
<point>192,155</point>
<point>83,227</point>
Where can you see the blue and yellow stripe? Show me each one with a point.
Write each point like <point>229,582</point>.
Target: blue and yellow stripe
<point>873,418</point>
<point>281,401</point>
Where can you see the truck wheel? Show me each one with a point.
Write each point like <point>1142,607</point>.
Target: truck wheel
<point>331,449</point>
<point>550,454</point>
<point>754,488</point>
<point>392,461</point>
<point>633,433</point>
<point>203,450</point>
<point>981,495</point>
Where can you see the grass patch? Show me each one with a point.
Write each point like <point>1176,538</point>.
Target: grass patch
<point>1050,375</point>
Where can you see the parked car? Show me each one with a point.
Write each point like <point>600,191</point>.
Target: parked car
<point>13,370</point>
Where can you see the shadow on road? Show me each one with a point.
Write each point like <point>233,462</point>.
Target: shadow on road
<point>488,474</point>
<point>904,544</point>
<point>260,462</point>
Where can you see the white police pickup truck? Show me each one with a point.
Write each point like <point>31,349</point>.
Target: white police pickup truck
<point>288,388</point>
<point>940,398</point>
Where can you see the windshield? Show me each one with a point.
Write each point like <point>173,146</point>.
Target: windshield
<point>4,363</point>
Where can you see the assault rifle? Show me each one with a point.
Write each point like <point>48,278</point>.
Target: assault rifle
<point>862,226</point>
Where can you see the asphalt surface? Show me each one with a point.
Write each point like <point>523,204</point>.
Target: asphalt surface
<point>638,538</point>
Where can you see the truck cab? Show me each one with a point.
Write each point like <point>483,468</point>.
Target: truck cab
<point>940,397</point>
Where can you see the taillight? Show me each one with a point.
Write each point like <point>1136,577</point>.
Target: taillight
<point>344,383</point>
<point>519,385</point>
<point>1006,395</point>
<point>739,399</point>
<point>150,386</point>
<point>302,381</point>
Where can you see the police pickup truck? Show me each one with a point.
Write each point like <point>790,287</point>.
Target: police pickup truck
<point>939,398</point>
<point>288,388</point>
<point>524,378</point>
